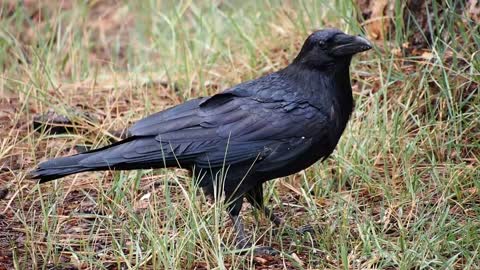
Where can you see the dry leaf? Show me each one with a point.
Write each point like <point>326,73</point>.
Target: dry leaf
<point>297,259</point>
<point>144,202</point>
<point>378,26</point>
<point>260,260</point>
<point>378,14</point>
<point>427,56</point>
<point>473,10</point>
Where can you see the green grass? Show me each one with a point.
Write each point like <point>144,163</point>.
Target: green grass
<point>402,190</point>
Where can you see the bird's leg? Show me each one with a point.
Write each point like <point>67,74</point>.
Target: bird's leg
<point>255,198</point>
<point>242,241</point>
<point>278,221</point>
<point>272,217</point>
<point>234,207</point>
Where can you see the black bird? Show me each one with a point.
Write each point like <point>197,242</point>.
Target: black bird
<point>256,131</point>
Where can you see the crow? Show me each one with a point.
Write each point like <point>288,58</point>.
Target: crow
<point>234,141</point>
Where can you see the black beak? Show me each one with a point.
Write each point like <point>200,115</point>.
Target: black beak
<point>350,45</point>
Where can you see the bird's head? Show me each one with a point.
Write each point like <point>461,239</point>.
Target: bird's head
<point>329,48</point>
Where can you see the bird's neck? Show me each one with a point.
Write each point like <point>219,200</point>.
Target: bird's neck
<point>324,86</point>
<point>343,90</point>
<point>328,89</point>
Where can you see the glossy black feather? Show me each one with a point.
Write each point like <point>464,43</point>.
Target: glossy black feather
<point>261,129</point>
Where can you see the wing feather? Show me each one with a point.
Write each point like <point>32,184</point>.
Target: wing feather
<point>241,124</point>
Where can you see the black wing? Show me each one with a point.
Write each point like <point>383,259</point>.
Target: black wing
<point>232,127</point>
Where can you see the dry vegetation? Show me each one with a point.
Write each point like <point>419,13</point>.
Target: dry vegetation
<point>402,191</point>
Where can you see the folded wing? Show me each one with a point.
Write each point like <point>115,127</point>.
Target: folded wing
<point>228,128</point>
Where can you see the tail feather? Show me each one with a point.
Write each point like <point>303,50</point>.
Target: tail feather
<point>59,167</point>
<point>125,155</point>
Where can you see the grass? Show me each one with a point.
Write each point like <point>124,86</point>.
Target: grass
<point>402,190</point>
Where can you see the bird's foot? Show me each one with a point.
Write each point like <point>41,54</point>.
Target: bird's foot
<point>243,243</point>
<point>258,250</point>
<point>265,250</point>
<point>305,229</point>
<point>245,247</point>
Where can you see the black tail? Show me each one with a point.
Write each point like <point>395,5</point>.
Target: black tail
<point>129,154</point>
<point>59,167</point>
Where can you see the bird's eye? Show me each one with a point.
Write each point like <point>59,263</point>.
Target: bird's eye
<point>322,44</point>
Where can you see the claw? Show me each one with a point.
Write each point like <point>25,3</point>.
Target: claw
<point>265,250</point>
<point>299,231</point>
<point>305,229</point>
<point>245,247</point>
<point>243,243</point>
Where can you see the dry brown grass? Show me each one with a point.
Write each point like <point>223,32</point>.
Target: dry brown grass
<point>401,192</point>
